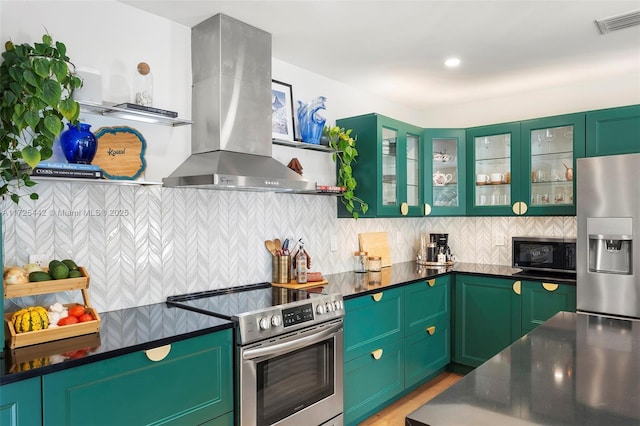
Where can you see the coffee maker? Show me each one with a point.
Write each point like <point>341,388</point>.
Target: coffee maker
<point>442,244</point>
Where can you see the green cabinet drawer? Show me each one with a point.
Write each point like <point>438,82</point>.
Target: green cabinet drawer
<point>487,319</point>
<point>427,352</point>
<point>541,301</point>
<point>191,385</point>
<point>426,302</point>
<point>372,321</point>
<point>21,403</point>
<point>613,131</point>
<point>370,382</point>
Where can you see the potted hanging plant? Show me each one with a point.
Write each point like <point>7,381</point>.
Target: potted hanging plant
<point>36,83</point>
<point>345,154</point>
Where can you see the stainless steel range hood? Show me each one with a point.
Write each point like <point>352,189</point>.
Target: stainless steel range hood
<point>231,106</point>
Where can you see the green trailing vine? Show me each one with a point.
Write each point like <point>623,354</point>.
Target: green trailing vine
<point>345,154</point>
<point>36,83</point>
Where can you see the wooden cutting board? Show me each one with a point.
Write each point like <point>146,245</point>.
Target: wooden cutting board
<point>120,152</point>
<point>376,244</point>
<point>294,284</point>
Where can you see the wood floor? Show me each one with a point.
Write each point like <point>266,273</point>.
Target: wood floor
<point>394,414</point>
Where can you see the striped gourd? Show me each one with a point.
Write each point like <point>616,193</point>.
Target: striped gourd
<point>30,319</point>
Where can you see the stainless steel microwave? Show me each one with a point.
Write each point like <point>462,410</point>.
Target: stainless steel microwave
<point>544,254</point>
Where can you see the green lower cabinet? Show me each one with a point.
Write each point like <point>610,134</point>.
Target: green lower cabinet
<point>427,302</point>
<point>21,403</point>
<point>613,131</point>
<point>487,318</point>
<point>427,352</point>
<point>371,380</point>
<point>373,321</point>
<point>193,384</point>
<point>541,301</point>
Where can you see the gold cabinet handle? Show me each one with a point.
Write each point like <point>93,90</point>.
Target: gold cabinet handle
<point>427,209</point>
<point>517,287</point>
<point>376,297</point>
<point>431,330</point>
<point>519,208</point>
<point>404,208</point>
<point>550,286</point>
<point>159,353</point>
<point>431,282</point>
<point>377,354</point>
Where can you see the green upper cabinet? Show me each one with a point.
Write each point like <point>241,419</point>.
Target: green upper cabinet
<point>613,131</point>
<point>492,169</point>
<point>389,171</point>
<point>444,166</point>
<point>525,168</point>
<point>550,147</point>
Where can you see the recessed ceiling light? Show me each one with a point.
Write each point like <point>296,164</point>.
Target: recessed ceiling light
<point>452,62</point>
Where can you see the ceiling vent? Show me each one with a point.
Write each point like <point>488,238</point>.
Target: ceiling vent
<point>618,22</point>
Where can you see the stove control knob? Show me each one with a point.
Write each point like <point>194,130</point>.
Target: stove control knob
<point>340,305</point>
<point>264,323</point>
<point>276,321</point>
<point>329,307</point>
<point>320,309</point>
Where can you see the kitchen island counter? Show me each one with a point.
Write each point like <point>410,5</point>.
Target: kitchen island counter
<point>575,369</point>
<point>121,332</point>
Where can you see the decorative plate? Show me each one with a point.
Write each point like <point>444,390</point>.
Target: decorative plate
<point>120,152</point>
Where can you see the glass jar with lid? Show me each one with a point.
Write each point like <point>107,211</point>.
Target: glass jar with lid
<point>360,261</point>
<point>375,263</point>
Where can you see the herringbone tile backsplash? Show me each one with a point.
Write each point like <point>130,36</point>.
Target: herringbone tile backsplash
<point>141,244</point>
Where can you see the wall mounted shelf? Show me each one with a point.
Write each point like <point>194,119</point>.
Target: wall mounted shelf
<point>110,110</point>
<point>302,145</point>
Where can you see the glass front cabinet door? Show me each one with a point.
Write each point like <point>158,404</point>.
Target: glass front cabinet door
<point>493,188</point>
<point>391,151</point>
<point>550,147</point>
<point>444,172</point>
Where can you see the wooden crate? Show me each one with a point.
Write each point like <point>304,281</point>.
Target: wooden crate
<point>17,340</point>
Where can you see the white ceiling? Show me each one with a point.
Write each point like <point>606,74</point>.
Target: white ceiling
<point>396,49</point>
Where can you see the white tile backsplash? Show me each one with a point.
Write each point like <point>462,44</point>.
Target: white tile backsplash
<point>141,244</point>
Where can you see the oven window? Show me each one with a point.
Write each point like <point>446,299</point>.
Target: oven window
<point>288,383</point>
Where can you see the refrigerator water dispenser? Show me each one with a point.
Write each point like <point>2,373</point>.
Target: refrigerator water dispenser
<point>610,245</point>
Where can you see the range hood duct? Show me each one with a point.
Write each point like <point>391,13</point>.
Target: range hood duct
<point>231,106</point>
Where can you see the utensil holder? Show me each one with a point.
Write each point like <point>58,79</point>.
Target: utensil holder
<point>281,269</point>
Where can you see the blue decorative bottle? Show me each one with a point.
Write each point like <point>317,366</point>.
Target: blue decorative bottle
<point>78,143</point>
<point>310,121</point>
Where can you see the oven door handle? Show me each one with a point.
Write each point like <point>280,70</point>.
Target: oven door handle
<point>282,348</point>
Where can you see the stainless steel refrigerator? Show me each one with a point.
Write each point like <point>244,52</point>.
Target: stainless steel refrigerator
<point>608,240</point>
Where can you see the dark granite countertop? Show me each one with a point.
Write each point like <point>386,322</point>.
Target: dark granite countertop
<point>121,332</point>
<point>353,284</point>
<point>575,369</point>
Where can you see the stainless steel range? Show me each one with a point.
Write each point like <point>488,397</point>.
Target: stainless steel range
<point>289,352</point>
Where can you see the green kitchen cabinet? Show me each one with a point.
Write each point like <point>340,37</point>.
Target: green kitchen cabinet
<point>373,321</point>
<point>613,131</point>
<point>21,403</point>
<point>445,173</point>
<point>550,147</point>
<point>373,352</point>
<point>493,154</point>
<point>426,303</point>
<point>492,313</point>
<point>192,384</point>
<point>487,317</point>
<point>542,300</point>
<point>525,168</point>
<point>371,380</point>
<point>388,172</point>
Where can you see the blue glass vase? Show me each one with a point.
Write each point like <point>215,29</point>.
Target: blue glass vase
<point>78,143</point>
<point>310,121</point>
